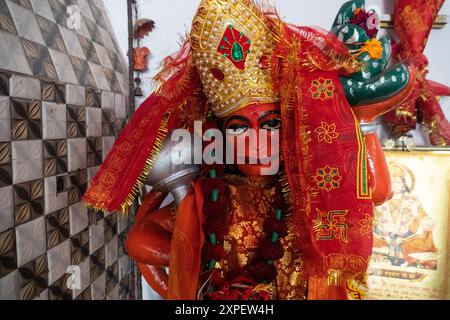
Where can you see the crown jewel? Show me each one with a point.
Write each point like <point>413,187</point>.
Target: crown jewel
<point>231,44</point>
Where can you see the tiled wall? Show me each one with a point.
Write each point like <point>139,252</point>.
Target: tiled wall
<point>62,102</point>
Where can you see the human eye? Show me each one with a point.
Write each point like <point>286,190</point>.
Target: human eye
<point>236,129</point>
<point>272,124</point>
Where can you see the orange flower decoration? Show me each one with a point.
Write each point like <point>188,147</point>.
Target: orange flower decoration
<point>328,178</point>
<point>326,132</point>
<point>322,89</point>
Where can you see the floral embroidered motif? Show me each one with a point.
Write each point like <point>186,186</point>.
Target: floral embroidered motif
<point>331,225</point>
<point>322,89</point>
<point>328,178</point>
<point>366,225</point>
<point>326,132</point>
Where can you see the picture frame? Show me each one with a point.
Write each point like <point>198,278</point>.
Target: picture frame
<point>410,259</point>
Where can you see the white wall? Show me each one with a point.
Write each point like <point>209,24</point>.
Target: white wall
<point>173,19</point>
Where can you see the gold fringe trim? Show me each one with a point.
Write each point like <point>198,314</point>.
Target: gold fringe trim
<point>286,193</point>
<point>140,182</point>
<point>334,277</point>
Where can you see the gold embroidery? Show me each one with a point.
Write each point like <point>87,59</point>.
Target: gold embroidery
<point>331,225</point>
<point>326,132</point>
<point>366,225</point>
<point>322,89</point>
<point>328,178</point>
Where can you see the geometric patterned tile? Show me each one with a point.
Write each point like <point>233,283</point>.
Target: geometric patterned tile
<point>85,279</point>
<point>107,145</point>
<point>54,120</point>
<point>55,157</point>
<point>123,82</point>
<point>94,155</point>
<point>124,266</point>
<point>85,9</point>
<point>5,119</point>
<point>54,200</point>
<point>103,55</point>
<point>92,171</point>
<point>113,295</point>
<point>76,122</point>
<point>58,261</point>
<point>12,56</point>
<point>98,15</point>
<point>75,95</point>
<point>78,186</point>
<point>108,123</point>
<point>121,110</point>
<point>26,120</point>
<point>111,249</point>
<point>76,153</point>
<point>5,164</point>
<point>112,79</point>
<point>59,290</point>
<point>97,263</point>
<point>89,49</point>
<point>39,58</point>
<point>51,146</point>
<point>63,66</point>
<point>108,100</point>
<point>112,278</point>
<point>85,295</point>
<point>93,99</point>
<point>24,87</point>
<point>110,226</point>
<point>43,296</point>
<point>93,30</point>
<point>42,8</point>
<point>9,286</point>
<point>4,84</point>
<point>78,218</point>
<point>58,227</point>
<point>122,222</point>
<point>73,45</point>
<point>25,22</point>
<point>99,76</point>
<point>6,21</point>
<point>24,3</point>
<point>53,92</point>
<point>28,201</point>
<point>6,208</point>
<point>27,160</point>
<point>96,236</point>
<point>51,34</point>
<point>33,278</point>
<point>82,71</point>
<point>79,245</point>
<point>8,252</point>
<point>98,288</point>
<point>94,122</point>
<point>59,11</point>
<point>30,239</point>
<point>95,216</point>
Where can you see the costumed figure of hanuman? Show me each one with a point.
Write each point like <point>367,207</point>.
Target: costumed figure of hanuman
<point>234,233</point>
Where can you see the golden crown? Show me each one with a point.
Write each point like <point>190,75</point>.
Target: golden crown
<point>232,48</point>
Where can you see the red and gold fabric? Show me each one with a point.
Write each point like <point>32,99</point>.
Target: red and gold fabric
<point>325,161</point>
<point>413,22</point>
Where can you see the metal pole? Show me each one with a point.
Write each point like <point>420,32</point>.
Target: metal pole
<point>131,99</point>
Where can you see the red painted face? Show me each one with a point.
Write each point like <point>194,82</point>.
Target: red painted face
<point>256,117</point>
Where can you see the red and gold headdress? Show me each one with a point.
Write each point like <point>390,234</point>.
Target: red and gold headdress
<point>231,43</point>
